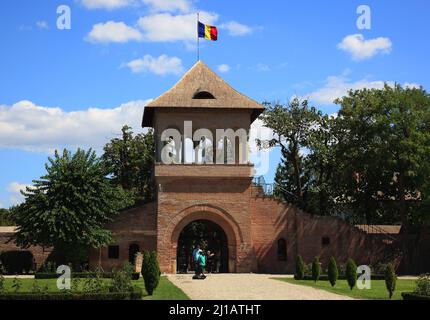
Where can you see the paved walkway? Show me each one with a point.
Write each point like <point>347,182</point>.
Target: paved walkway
<point>247,287</point>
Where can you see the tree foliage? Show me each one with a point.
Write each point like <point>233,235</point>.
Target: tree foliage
<point>333,272</point>
<point>150,271</point>
<point>300,268</point>
<point>316,269</point>
<point>68,206</point>
<point>130,161</point>
<point>369,164</point>
<point>5,218</point>
<point>351,273</point>
<point>390,279</point>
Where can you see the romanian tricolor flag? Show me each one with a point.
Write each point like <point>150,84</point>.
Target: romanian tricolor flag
<point>207,32</point>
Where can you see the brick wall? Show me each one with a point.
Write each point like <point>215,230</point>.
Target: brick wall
<point>304,233</point>
<point>134,226</point>
<point>40,254</point>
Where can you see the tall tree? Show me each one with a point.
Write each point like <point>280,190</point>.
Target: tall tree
<point>130,160</point>
<point>68,206</point>
<point>291,125</point>
<point>384,149</point>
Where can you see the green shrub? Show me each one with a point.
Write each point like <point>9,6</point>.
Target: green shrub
<point>414,296</point>
<point>95,285</point>
<point>300,268</point>
<point>121,281</point>
<point>390,279</point>
<point>332,272</point>
<point>150,271</point>
<point>82,275</point>
<point>135,294</point>
<point>316,269</point>
<point>2,288</point>
<point>351,273</point>
<point>17,262</point>
<point>423,285</point>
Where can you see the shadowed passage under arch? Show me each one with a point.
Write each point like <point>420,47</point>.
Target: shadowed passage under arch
<point>211,238</point>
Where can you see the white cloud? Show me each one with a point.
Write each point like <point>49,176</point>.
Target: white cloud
<point>42,25</point>
<point>14,190</point>
<point>161,65</point>
<point>261,67</point>
<point>361,49</point>
<point>223,68</point>
<point>167,27</point>
<point>236,29</point>
<point>338,86</point>
<point>112,31</point>
<point>30,127</point>
<point>168,5</point>
<point>106,4</point>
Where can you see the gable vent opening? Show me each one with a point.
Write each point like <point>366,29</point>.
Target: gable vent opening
<point>203,95</point>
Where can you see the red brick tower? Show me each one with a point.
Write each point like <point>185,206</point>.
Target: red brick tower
<point>197,178</point>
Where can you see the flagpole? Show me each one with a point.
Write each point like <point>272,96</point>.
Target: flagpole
<point>198,37</point>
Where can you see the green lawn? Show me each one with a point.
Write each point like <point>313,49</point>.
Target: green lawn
<point>377,291</point>
<point>165,291</point>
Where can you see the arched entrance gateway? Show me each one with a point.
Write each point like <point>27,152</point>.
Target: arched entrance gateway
<point>212,240</point>
<point>211,226</point>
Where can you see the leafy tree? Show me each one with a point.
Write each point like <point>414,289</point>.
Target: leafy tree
<point>300,268</point>
<point>351,273</point>
<point>68,206</point>
<point>291,125</point>
<point>150,271</point>
<point>333,272</point>
<point>316,269</point>
<point>383,150</point>
<point>5,219</point>
<point>130,161</point>
<point>390,279</point>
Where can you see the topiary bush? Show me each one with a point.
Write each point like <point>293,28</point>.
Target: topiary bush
<point>390,279</point>
<point>333,272</point>
<point>150,271</point>
<point>17,262</point>
<point>351,273</point>
<point>316,269</point>
<point>300,268</point>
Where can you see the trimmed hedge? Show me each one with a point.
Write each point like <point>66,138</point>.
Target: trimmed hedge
<point>136,294</point>
<point>300,268</point>
<point>82,275</point>
<point>324,277</point>
<point>414,296</point>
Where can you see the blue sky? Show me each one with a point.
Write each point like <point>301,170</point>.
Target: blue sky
<point>77,87</point>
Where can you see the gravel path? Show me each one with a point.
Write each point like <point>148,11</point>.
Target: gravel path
<point>247,287</point>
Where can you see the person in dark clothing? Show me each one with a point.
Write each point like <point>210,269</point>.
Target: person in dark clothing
<point>210,261</point>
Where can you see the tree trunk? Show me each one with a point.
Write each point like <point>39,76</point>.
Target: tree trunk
<point>405,223</point>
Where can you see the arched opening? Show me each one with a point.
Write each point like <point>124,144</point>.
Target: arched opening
<point>212,240</point>
<point>203,95</point>
<point>132,250</point>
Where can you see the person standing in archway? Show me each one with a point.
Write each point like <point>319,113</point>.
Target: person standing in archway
<point>201,266</point>
<point>196,254</point>
<point>210,261</point>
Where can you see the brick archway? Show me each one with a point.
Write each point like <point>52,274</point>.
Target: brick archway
<point>205,212</point>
